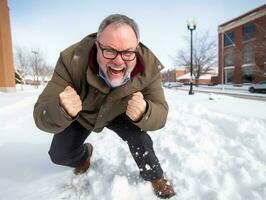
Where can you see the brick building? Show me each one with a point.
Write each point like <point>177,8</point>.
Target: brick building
<point>172,75</point>
<point>168,76</point>
<point>242,48</point>
<point>182,74</point>
<point>204,79</point>
<point>7,72</point>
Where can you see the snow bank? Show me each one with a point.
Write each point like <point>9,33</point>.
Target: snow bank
<point>209,149</point>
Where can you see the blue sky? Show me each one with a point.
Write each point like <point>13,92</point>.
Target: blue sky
<point>52,25</point>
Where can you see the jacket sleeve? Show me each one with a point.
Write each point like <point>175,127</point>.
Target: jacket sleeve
<point>156,114</point>
<point>48,114</point>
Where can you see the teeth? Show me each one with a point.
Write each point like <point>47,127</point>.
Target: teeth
<point>116,69</point>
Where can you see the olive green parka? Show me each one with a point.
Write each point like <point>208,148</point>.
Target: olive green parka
<point>100,104</point>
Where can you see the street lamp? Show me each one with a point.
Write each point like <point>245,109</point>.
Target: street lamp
<point>191,27</point>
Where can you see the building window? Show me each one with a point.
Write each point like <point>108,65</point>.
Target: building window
<point>229,75</point>
<point>264,70</point>
<point>247,73</point>
<point>248,54</point>
<point>249,31</point>
<point>229,38</point>
<point>229,57</point>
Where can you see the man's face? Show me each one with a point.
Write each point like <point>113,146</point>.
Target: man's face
<point>114,38</point>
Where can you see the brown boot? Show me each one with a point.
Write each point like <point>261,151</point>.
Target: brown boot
<point>163,188</point>
<point>85,166</point>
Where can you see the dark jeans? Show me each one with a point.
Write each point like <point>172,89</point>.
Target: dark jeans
<point>67,147</point>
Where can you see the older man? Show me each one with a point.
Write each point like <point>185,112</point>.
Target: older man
<point>108,79</point>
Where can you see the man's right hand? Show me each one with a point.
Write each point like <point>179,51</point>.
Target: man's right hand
<point>70,101</point>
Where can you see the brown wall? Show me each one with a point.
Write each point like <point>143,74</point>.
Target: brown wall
<point>260,56</point>
<point>220,77</point>
<point>215,80</point>
<point>238,57</point>
<point>7,75</point>
<point>200,81</point>
<point>169,76</point>
<point>180,73</point>
<point>259,60</point>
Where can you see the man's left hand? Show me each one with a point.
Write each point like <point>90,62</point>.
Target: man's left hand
<point>136,106</point>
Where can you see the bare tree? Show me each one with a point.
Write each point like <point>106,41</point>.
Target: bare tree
<point>204,55</point>
<point>45,72</point>
<point>22,62</point>
<point>29,62</point>
<point>36,63</point>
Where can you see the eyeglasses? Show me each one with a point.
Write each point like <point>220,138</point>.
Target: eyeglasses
<point>111,54</point>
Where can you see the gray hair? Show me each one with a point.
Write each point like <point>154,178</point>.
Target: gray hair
<point>118,19</point>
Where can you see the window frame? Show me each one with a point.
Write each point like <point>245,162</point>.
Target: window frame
<point>229,38</point>
<point>249,32</point>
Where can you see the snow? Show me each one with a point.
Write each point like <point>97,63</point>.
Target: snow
<point>226,90</point>
<point>212,147</point>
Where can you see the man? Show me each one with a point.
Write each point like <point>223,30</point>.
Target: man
<point>106,80</point>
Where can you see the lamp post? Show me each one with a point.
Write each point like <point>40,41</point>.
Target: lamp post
<point>191,27</point>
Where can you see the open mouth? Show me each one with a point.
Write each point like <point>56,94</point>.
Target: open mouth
<point>116,72</point>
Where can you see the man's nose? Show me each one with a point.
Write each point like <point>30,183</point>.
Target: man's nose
<point>118,60</point>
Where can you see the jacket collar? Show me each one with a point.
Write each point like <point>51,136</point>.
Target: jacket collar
<point>147,69</point>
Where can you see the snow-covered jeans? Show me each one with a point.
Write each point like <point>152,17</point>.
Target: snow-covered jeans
<point>67,148</point>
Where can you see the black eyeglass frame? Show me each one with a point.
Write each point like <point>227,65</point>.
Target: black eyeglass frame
<point>116,52</point>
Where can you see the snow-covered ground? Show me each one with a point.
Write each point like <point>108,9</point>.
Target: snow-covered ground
<point>225,89</point>
<point>209,149</point>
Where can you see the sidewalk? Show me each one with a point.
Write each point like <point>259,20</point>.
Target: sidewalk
<point>240,92</point>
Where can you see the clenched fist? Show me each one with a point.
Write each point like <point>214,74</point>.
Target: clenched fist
<point>70,101</point>
<point>136,106</point>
